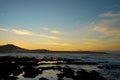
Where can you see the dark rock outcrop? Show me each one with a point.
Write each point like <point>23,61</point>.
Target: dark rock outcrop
<point>30,72</point>
<point>42,78</point>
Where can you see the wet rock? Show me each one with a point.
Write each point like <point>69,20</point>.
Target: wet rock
<point>60,76</point>
<point>42,78</point>
<point>6,69</point>
<point>94,75</point>
<point>68,72</point>
<point>60,79</point>
<point>30,72</point>
<point>77,77</point>
<point>17,72</point>
<point>16,66</point>
<point>40,71</point>
<point>102,78</point>
<point>83,75</point>
<point>11,78</point>
<point>100,66</point>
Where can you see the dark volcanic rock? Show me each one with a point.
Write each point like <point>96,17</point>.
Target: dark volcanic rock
<point>60,76</point>
<point>30,72</point>
<point>10,78</point>
<point>42,78</point>
<point>6,69</point>
<point>18,65</point>
<point>17,72</point>
<point>83,75</point>
<point>68,72</point>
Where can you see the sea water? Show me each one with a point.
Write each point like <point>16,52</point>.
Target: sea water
<point>110,58</point>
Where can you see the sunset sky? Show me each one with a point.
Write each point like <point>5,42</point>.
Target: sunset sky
<point>61,24</point>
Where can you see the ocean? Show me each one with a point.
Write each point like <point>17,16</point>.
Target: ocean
<point>102,59</point>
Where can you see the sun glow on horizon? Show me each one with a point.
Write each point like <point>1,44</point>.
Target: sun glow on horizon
<point>61,25</point>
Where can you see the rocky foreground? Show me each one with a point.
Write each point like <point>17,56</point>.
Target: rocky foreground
<point>12,67</point>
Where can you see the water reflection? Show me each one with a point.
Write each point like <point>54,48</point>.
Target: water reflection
<point>26,68</point>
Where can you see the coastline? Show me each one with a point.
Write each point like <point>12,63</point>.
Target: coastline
<point>33,67</point>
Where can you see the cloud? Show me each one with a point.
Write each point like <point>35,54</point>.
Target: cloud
<point>46,36</point>
<point>45,28</point>
<point>90,41</point>
<point>108,28</point>
<point>3,29</point>
<point>52,37</point>
<point>107,31</point>
<point>51,31</point>
<point>60,44</point>
<point>110,14</point>
<point>100,29</point>
<point>55,32</point>
<point>111,22</point>
<point>57,43</point>
<point>28,33</point>
<point>22,32</point>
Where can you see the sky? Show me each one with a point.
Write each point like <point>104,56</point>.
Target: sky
<point>61,24</point>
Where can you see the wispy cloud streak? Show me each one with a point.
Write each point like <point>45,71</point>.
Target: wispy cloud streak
<point>110,14</point>
<point>28,33</point>
<point>52,31</point>
<point>22,32</point>
<point>57,43</point>
<point>55,32</point>
<point>3,29</point>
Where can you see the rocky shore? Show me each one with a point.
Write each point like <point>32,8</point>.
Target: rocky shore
<point>12,67</point>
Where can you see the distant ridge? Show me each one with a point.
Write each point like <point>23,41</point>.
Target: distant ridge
<point>10,48</point>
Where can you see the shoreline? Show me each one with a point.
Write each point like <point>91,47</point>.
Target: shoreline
<point>31,68</point>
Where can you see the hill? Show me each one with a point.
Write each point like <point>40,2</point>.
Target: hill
<point>10,48</point>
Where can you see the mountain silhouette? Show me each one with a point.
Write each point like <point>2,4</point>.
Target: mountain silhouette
<point>10,48</point>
